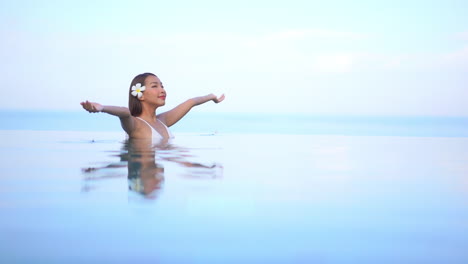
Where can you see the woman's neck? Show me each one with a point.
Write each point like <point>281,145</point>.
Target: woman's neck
<point>149,113</point>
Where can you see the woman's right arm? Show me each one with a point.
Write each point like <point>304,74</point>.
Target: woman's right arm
<point>112,110</point>
<point>123,113</point>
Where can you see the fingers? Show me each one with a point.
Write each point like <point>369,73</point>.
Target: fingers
<point>220,99</point>
<point>88,106</point>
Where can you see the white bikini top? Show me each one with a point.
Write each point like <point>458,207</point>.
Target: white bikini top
<point>156,137</point>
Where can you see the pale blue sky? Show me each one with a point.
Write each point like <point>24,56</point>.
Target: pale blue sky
<point>319,57</point>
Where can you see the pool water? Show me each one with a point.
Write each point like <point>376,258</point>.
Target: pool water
<point>90,197</point>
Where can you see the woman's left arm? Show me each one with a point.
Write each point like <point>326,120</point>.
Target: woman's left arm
<point>173,116</point>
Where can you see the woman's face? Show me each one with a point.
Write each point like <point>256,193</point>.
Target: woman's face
<point>155,92</point>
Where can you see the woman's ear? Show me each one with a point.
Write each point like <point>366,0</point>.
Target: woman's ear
<point>142,98</point>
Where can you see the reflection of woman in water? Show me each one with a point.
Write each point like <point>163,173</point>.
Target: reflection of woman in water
<point>140,120</point>
<point>145,170</point>
<point>145,176</point>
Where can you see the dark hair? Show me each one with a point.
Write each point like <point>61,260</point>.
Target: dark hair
<point>133,103</point>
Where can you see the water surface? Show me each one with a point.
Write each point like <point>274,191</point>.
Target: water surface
<point>232,198</point>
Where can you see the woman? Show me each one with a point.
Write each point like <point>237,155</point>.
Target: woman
<point>140,120</point>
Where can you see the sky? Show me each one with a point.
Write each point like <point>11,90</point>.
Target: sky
<point>403,58</point>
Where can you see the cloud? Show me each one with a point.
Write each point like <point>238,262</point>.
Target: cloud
<point>316,33</point>
<point>89,66</point>
<point>295,35</point>
<point>300,50</point>
<point>334,62</point>
<point>282,51</point>
<point>346,62</point>
<point>457,58</point>
<point>462,35</point>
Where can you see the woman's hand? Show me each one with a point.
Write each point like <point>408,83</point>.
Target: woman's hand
<point>92,107</point>
<point>217,99</point>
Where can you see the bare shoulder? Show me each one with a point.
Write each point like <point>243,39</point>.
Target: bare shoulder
<point>130,124</point>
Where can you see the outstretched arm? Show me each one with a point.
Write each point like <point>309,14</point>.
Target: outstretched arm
<point>112,110</point>
<point>173,116</point>
<point>121,112</point>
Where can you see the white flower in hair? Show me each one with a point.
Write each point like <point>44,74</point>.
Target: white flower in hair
<point>137,90</point>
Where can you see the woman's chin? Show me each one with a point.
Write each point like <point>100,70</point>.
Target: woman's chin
<point>161,103</point>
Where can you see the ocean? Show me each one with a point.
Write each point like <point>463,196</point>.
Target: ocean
<point>250,123</point>
<point>234,188</point>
